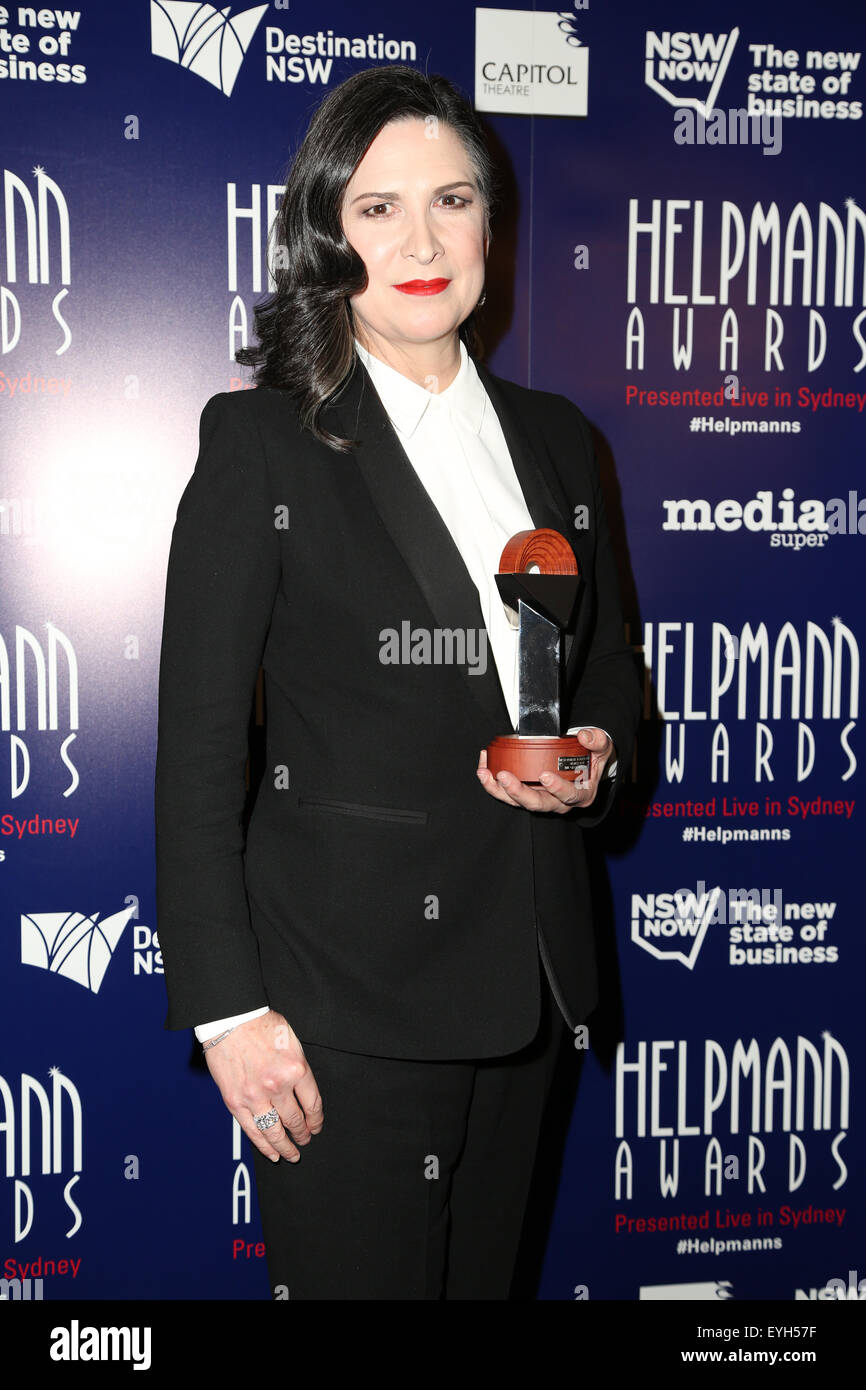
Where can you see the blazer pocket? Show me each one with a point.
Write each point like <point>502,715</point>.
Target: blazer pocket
<point>393,814</point>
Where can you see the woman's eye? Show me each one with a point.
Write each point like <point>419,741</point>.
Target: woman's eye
<point>453,200</point>
<point>377,209</point>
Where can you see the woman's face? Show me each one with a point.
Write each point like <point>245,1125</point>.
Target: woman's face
<point>413,212</point>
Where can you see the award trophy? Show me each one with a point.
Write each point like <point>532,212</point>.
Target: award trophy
<point>544,603</point>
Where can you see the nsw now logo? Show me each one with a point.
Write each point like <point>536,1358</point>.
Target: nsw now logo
<point>672,926</point>
<point>688,69</point>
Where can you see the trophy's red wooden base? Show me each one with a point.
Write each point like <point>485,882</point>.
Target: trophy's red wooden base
<point>527,756</point>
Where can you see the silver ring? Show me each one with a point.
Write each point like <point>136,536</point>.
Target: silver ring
<point>268,1120</point>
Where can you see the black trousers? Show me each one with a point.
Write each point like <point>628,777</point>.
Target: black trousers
<point>417,1185</point>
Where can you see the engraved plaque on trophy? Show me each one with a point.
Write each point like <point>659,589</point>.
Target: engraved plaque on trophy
<point>544,603</point>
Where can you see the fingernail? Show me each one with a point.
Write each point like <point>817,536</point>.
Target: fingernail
<point>275,1158</point>
<point>296,1159</point>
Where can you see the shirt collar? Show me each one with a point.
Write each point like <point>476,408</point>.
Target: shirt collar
<point>406,403</point>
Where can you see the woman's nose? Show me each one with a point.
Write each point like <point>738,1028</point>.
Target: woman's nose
<point>421,240</point>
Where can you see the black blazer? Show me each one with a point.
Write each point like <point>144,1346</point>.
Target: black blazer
<point>383,901</point>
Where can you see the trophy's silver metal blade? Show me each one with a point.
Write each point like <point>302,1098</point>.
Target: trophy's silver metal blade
<point>539,674</point>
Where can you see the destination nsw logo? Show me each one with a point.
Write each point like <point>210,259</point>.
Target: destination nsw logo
<point>72,944</point>
<point>211,43</point>
<point>789,524</point>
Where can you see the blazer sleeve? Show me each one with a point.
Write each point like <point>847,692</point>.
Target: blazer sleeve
<point>608,692</point>
<point>222,579</point>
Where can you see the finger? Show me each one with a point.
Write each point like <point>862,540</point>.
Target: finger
<point>292,1116</point>
<point>274,1143</point>
<point>550,796</point>
<point>291,1085</point>
<point>283,1136</point>
<point>519,792</point>
<point>275,1135</point>
<point>494,787</point>
<point>545,802</point>
<point>531,798</point>
<point>596,739</point>
<point>565,788</point>
<point>484,773</point>
<point>572,794</point>
<point>584,795</point>
<point>558,796</point>
<point>309,1098</point>
<point>599,745</point>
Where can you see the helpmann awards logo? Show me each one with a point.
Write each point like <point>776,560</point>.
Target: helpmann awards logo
<point>207,41</point>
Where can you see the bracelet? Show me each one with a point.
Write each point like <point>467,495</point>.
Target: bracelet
<point>212,1042</point>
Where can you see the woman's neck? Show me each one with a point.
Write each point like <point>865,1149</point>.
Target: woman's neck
<point>434,365</point>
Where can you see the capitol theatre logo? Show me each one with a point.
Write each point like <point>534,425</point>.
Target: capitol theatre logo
<point>530,61</point>
<point>207,41</point>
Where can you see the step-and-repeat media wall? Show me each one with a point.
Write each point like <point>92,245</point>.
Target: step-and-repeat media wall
<point>680,250</point>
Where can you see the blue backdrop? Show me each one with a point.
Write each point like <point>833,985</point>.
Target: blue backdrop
<point>680,250</point>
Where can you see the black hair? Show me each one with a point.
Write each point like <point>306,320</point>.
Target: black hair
<point>304,328</point>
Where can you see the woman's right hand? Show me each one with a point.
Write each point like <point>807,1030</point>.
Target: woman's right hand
<point>259,1066</point>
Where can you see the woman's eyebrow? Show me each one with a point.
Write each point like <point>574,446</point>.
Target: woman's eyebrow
<point>387,197</point>
<point>458,183</point>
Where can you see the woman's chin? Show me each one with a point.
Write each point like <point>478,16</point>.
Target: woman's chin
<point>428,326</point>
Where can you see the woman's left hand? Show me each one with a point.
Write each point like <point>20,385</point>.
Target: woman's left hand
<point>557,794</point>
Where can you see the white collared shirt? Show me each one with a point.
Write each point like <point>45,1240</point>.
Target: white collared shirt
<point>454,442</point>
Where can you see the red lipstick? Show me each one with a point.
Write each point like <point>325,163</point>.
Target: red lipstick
<point>423,286</point>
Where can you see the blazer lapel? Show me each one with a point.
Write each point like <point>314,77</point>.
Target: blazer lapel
<point>545,498</point>
<point>416,528</point>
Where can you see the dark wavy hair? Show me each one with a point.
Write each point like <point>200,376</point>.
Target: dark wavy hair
<point>305,327</point>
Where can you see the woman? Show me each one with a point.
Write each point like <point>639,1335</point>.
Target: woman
<point>382,973</point>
